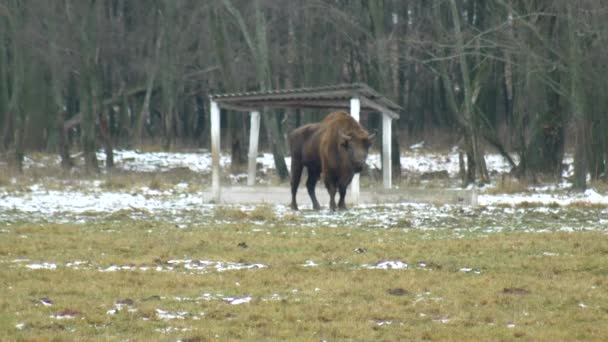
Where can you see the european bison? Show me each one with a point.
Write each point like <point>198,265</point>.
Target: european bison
<point>335,147</point>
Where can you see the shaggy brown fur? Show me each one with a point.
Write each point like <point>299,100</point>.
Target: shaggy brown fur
<point>335,147</point>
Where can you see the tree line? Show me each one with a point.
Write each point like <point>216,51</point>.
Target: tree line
<point>523,77</point>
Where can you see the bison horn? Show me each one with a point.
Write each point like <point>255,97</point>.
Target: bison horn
<point>344,136</point>
<point>371,136</point>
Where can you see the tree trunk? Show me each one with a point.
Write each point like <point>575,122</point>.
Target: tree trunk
<point>470,129</point>
<point>64,150</point>
<point>90,85</point>
<point>4,86</point>
<point>144,115</point>
<point>15,117</point>
<point>89,105</point>
<point>578,104</point>
<point>106,138</point>
<point>290,119</point>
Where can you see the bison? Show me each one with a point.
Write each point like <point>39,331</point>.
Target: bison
<point>336,147</point>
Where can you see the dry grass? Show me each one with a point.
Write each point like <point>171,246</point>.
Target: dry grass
<point>509,185</point>
<point>532,286</point>
<point>262,212</point>
<point>229,213</point>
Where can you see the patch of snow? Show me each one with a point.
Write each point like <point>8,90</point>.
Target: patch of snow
<point>46,302</point>
<point>310,263</point>
<point>388,265</point>
<point>61,317</point>
<point>381,323</point>
<point>166,315</point>
<point>43,266</point>
<point>76,264</point>
<point>169,330</point>
<point>219,266</point>
<point>238,300</point>
<point>115,268</point>
<point>20,326</point>
<point>119,306</point>
<point>443,320</point>
<point>469,270</point>
<point>231,266</point>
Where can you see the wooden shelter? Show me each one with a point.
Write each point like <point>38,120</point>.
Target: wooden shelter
<point>352,98</point>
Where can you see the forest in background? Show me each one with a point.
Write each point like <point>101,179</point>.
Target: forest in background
<point>521,77</point>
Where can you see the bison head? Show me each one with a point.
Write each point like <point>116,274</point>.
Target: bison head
<point>356,146</point>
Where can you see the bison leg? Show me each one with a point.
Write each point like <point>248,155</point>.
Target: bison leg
<point>342,190</point>
<point>331,188</point>
<point>313,177</point>
<point>296,174</point>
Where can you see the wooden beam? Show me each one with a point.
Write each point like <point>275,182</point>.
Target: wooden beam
<point>237,107</point>
<point>298,104</point>
<point>386,150</point>
<point>355,107</point>
<point>215,151</point>
<point>277,96</point>
<point>254,135</point>
<point>379,107</point>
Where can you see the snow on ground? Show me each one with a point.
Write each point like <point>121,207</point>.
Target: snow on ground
<point>38,202</point>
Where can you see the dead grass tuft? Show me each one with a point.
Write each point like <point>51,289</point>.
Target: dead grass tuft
<point>229,213</point>
<point>125,214</point>
<point>509,185</point>
<point>118,182</point>
<point>291,218</point>
<point>532,205</point>
<point>156,184</point>
<point>587,205</point>
<point>263,212</point>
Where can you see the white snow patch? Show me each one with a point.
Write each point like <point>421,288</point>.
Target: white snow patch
<point>219,266</point>
<point>166,315</point>
<point>168,330</point>
<point>381,323</point>
<point>61,317</point>
<point>238,300</point>
<point>388,265</point>
<point>469,270</point>
<point>43,266</point>
<point>119,306</point>
<point>115,268</point>
<point>310,263</point>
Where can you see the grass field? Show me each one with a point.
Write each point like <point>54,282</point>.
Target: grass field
<point>263,274</point>
<point>137,254</point>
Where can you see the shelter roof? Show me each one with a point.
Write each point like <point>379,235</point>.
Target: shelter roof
<point>334,97</point>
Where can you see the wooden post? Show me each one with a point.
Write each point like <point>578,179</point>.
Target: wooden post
<point>254,136</point>
<point>355,107</point>
<point>386,150</point>
<point>215,151</point>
